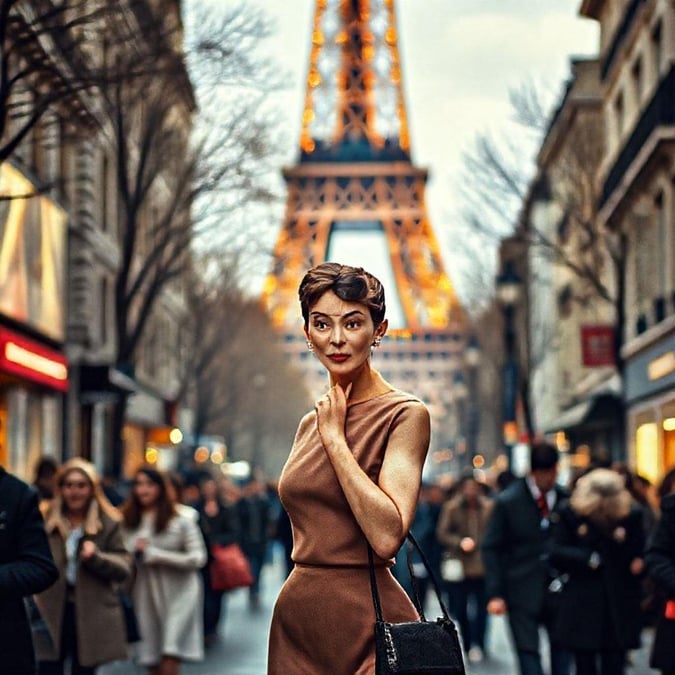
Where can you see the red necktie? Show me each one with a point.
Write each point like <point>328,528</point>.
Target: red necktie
<point>543,506</point>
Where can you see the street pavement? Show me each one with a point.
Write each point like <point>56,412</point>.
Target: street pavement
<point>241,648</point>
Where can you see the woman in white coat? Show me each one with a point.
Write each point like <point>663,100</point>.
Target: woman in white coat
<point>167,592</point>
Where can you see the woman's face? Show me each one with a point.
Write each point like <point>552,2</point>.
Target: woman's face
<point>77,491</point>
<point>342,333</point>
<point>146,491</point>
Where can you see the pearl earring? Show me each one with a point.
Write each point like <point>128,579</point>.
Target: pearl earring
<point>310,346</point>
<point>376,341</point>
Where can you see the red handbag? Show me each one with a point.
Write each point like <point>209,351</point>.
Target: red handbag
<point>229,568</point>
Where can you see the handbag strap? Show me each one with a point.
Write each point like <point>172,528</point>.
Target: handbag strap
<point>418,604</point>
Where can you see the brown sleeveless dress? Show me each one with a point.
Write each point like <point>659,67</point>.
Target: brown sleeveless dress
<point>323,621</point>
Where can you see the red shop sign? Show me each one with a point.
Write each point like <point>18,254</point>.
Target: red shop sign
<point>26,358</point>
<point>597,346</point>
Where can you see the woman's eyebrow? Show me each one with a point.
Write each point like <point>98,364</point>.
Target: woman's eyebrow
<point>354,311</point>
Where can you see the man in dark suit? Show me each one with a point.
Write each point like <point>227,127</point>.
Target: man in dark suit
<point>26,567</point>
<point>516,548</point>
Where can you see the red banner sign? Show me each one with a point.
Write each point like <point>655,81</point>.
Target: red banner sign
<point>29,359</point>
<point>597,346</point>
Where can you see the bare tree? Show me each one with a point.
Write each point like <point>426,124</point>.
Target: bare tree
<point>498,189</point>
<point>240,384</point>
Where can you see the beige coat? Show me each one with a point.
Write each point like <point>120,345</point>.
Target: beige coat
<point>99,621</point>
<point>458,521</point>
<point>168,589</point>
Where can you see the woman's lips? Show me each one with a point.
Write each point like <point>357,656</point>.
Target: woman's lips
<point>338,358</point>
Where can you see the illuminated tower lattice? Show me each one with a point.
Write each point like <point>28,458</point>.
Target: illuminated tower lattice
<point>355,176</point>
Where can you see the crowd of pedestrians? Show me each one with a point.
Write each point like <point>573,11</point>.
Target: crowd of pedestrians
<point>84,582</point>
<point>591,563</point>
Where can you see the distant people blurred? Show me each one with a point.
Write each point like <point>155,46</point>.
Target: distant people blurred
<point>255,510</point>
<point>423,528</point>
<point>184,506</point>
<point>82,609</point>
<point>660,566</point>
<point>26,567</point>
<point>219,522</point>
<point>599,544</point>
<point>504,479</point>
<point>169,551</point>
<point>283,532</point>
<point>516,549</point>
<point>45,476</point>
<point>460,531</point>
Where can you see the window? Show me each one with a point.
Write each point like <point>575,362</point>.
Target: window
<point>661,251</point>
<point>636,75</point>
<point>619,114</point>
<point>656,46</point>
<point>103,318</point>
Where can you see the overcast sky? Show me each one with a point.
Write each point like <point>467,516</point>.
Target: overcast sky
<point>459,59</point>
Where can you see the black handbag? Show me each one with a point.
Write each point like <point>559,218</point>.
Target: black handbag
<point>415,647</point>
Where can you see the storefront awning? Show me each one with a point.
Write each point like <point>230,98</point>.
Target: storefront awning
<point>596,411</point>
<point>99,383</point>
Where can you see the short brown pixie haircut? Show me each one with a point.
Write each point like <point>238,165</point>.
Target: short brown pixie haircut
<point>352,284</point>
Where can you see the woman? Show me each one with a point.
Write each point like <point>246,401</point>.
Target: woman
<point>460,530</point>
<point>82,609</point>
<point>167,593</point>
<point>599,543</point>
<point>351,481</point>
<point>219,522</point>
<point>660,565</point>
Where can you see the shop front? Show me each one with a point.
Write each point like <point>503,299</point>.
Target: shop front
<point>33,368</point>
<point>650,398</point>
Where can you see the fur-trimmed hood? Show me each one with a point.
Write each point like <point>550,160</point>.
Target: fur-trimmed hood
<point>602,497</point>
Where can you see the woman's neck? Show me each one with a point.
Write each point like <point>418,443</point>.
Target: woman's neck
<point>75,518</point>
<point>366,383</point>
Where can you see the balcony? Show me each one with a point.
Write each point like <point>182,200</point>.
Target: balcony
<point>660,111</point>
<point>621,33</point>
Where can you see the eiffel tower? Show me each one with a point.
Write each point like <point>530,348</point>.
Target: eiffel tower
<point>355,197</point>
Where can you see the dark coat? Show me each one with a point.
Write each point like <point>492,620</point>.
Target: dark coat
<point>515,552</point>
<point>26,567</point>
<point>599,608</point>
<point>660,565</point>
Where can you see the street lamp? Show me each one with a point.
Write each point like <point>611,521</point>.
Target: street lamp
<point>472,360</point>
<point>509,285</point>
<point>460,393</point>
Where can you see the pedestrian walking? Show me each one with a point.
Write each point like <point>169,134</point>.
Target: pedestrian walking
<point>167,592</point>
<point>351,481</point>
<point>598,544</point>
<point>44,478</point>
<point>26,567</point>
<point>255,517</point>
<point>516,554</point>
<point>219,522</point>
<point>660,565</point>
<point>460,531</point>
<point>82,609</point>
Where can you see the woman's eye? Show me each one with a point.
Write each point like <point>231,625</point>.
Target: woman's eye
<point>320,324</point>
<point>353,324</point>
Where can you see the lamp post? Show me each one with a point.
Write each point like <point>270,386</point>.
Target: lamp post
<point>508,292</point>
<point>472,360</point>
<point>460,392</point>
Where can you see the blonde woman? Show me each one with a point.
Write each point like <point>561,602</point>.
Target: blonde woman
<point>82,609</point>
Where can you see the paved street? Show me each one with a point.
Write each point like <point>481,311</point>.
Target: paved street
<point>242,645</point>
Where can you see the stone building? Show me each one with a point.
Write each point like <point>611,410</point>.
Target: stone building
<point>73,245</point>
<point>636,186</point>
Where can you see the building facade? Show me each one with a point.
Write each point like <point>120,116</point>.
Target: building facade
<point>636,185</point>
<point>63,251</point>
